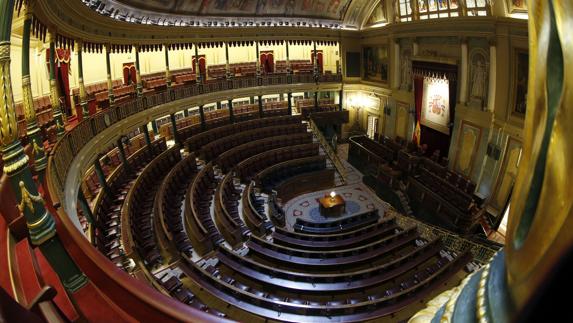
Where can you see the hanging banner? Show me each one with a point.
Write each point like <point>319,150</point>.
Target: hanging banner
<point>436,104</point>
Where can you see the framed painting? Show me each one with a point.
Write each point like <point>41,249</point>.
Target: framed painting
<point>376,63</point>
<point>516,6</point>
<point>507,174</point>
<point>520,77</point>
<point>469,140</point>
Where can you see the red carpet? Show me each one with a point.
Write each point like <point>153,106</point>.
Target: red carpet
<point>97,308</point>
<point>5,281</point>
<point>51,278</point>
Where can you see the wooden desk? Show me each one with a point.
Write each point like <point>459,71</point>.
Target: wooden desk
<point>332,206</point>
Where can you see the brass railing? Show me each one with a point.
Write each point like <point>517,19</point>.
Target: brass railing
<point>329,151</point>
<point>452,241</point>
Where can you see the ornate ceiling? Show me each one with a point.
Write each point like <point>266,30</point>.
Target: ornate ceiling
<point>328,9</point>
<point>327,13</point>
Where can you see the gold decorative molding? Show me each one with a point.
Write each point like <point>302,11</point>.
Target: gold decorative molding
<point>27,201</point>
<point>8,123</point>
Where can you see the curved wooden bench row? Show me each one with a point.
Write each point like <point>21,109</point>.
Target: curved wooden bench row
<point>227,212</point>
<point>170,200</point>
<point>108,206</point>
<point>324,259</point>
<point>137,225</point>
<point>254,211</point>
<point>248,168</point>
<point>337,226</point>
<point>232,157</point>
<point>273,175</point>
<point>213,149</point>
<point>398,264</point>
<point>198,141</point>
<point>200,227</point>
<point>334,241</point>
<point>347,309</point>
<point>305,183</point>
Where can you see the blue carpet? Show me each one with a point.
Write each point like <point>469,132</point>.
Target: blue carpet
<point>351,208</point>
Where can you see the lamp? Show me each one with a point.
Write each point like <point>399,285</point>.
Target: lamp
<point>332,195</point>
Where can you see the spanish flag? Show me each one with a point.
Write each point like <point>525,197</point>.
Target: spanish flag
<point>417,133</point>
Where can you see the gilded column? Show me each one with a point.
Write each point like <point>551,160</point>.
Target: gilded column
<point>32,130</point>
<point>40,223</point>
<point>139,86</point>
<point>82,87</point>
<point>109,82</point>
<point>492,76</point>
<point>167,72</point>
<point>54,96</point>
<point>464,73</point>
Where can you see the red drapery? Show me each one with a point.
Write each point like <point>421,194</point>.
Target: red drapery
<point>267,60</point>
<point>319,59</point>
<point>62,63</point>
<point>129,73</point>
<point>202,65</point>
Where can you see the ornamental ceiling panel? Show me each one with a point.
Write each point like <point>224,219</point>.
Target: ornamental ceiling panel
<point>325,9</point>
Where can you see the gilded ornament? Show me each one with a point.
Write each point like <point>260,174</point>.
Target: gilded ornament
<point>27,201</point>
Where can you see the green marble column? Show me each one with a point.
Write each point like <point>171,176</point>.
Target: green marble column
<point>289,69</point>
<point>315,63</point>
<point>231,114</point>
<point>32,129</point>
<point>41,224</point>
<point>101,175</point>
<point>289,98</point>
<point>82,88</point>
<point>109,81</point>
<point>146,135</point>
<point>340,97</point>
<point>167,72</point>
<point>154,127</point>
<point>227,66</point>
<point>198,66</point>
<point>258,58</point>
<point>316,100</point>
<point>85,205</point>
<point>261,112</point>
<point>185,112</point>
<point>122,154</point>
<point>174,128</point>
<point>54,96</point>
<point>202,117</point>
<point>139,84</point>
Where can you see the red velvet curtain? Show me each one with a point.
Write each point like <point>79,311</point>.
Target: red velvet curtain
<point>62,63</point>
<point>319,59</point>
<point>267,61</point>
<point>202,65</point>
<point>129,73</point>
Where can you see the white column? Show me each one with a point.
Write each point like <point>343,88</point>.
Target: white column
<point>464,74</point>
<point>415,47</point>
<point>492,78</point>
<point>396,63</point>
